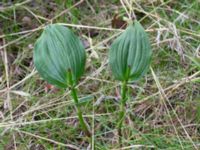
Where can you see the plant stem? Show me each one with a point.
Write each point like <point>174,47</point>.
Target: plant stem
<point>122,111</point>
<point>79,112</point>
<point>82,121</point>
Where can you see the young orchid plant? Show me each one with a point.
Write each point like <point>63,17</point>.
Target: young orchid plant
<point>129,59</point>
<point>59,57</point>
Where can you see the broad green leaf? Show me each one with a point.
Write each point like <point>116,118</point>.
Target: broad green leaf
<point>57,51</point>
<point>130,53</point>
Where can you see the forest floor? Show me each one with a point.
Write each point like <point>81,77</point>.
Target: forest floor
<point>163,108</point>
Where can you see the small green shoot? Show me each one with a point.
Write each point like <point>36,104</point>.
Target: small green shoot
<point>59,57</point>
<point>129,58</point>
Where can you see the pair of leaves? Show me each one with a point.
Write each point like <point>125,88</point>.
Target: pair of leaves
<point>60,55</point>
<point>130,53</point>
<point>57,52</point>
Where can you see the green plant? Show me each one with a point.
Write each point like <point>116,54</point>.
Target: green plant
<point>59,57</point>
<point>129,59</point>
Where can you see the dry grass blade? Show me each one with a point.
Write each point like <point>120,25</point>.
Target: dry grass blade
<point>164,98</point>
<point>49,140</point>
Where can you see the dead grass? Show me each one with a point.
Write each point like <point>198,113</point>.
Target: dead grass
<point>163,111</point>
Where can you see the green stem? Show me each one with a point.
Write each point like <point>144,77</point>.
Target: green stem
<point>122,111</point>
<point>82,121</point>
<point>79,112</point>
